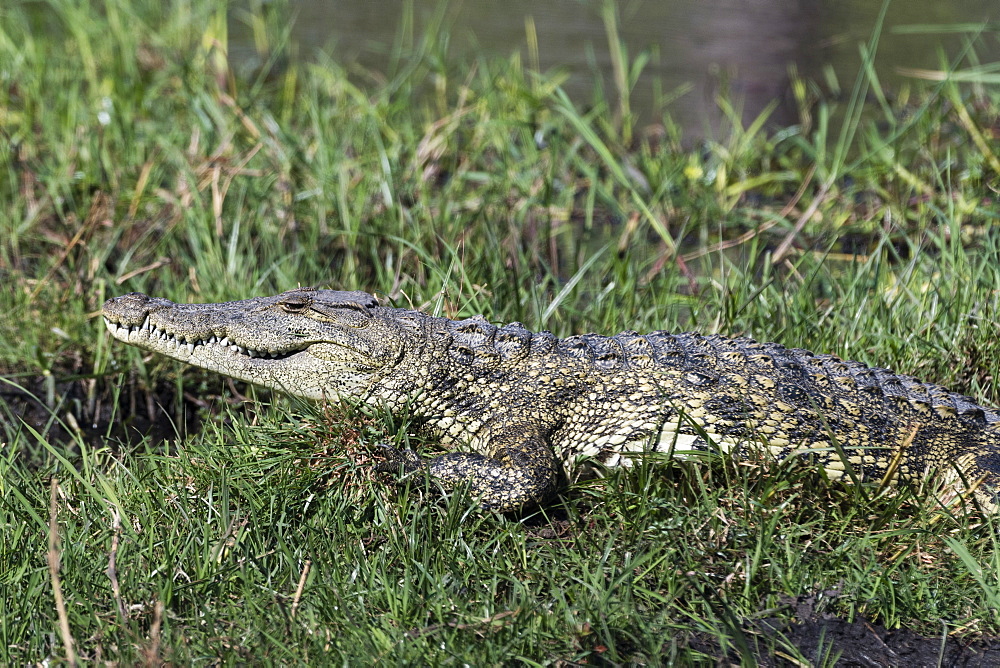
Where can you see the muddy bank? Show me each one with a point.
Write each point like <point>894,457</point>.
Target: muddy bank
<point>65,412</point>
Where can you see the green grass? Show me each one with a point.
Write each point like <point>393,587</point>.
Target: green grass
<point>134,158</point>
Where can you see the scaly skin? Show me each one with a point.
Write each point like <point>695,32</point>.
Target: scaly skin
<point>525,410</point>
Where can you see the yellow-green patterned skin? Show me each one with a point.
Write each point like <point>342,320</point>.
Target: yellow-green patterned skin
<point>523,411</point>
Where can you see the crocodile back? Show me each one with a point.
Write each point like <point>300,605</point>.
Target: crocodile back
<point>607,398</point>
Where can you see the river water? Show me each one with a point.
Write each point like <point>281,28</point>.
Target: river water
<point>695,46</point>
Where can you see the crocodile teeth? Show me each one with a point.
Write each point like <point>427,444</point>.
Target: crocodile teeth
<point>178,342</point>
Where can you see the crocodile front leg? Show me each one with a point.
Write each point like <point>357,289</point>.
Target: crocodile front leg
<point>521,472</point>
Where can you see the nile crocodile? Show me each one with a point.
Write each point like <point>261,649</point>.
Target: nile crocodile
<point>522,411</point>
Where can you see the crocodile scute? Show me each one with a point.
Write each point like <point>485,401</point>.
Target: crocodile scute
<point>521,412</point>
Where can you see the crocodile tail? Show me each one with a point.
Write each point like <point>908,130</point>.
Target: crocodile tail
<point>981,468</point>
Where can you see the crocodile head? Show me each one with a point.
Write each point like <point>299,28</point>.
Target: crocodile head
<point>316,344</point>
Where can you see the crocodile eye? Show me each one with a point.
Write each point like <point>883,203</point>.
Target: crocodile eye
<point>294,305</point>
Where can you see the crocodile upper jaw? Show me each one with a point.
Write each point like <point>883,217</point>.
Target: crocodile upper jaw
<point>160,338</point>
<point>180,330</point>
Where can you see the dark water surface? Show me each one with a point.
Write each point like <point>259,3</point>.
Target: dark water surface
<point>694,45</point>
